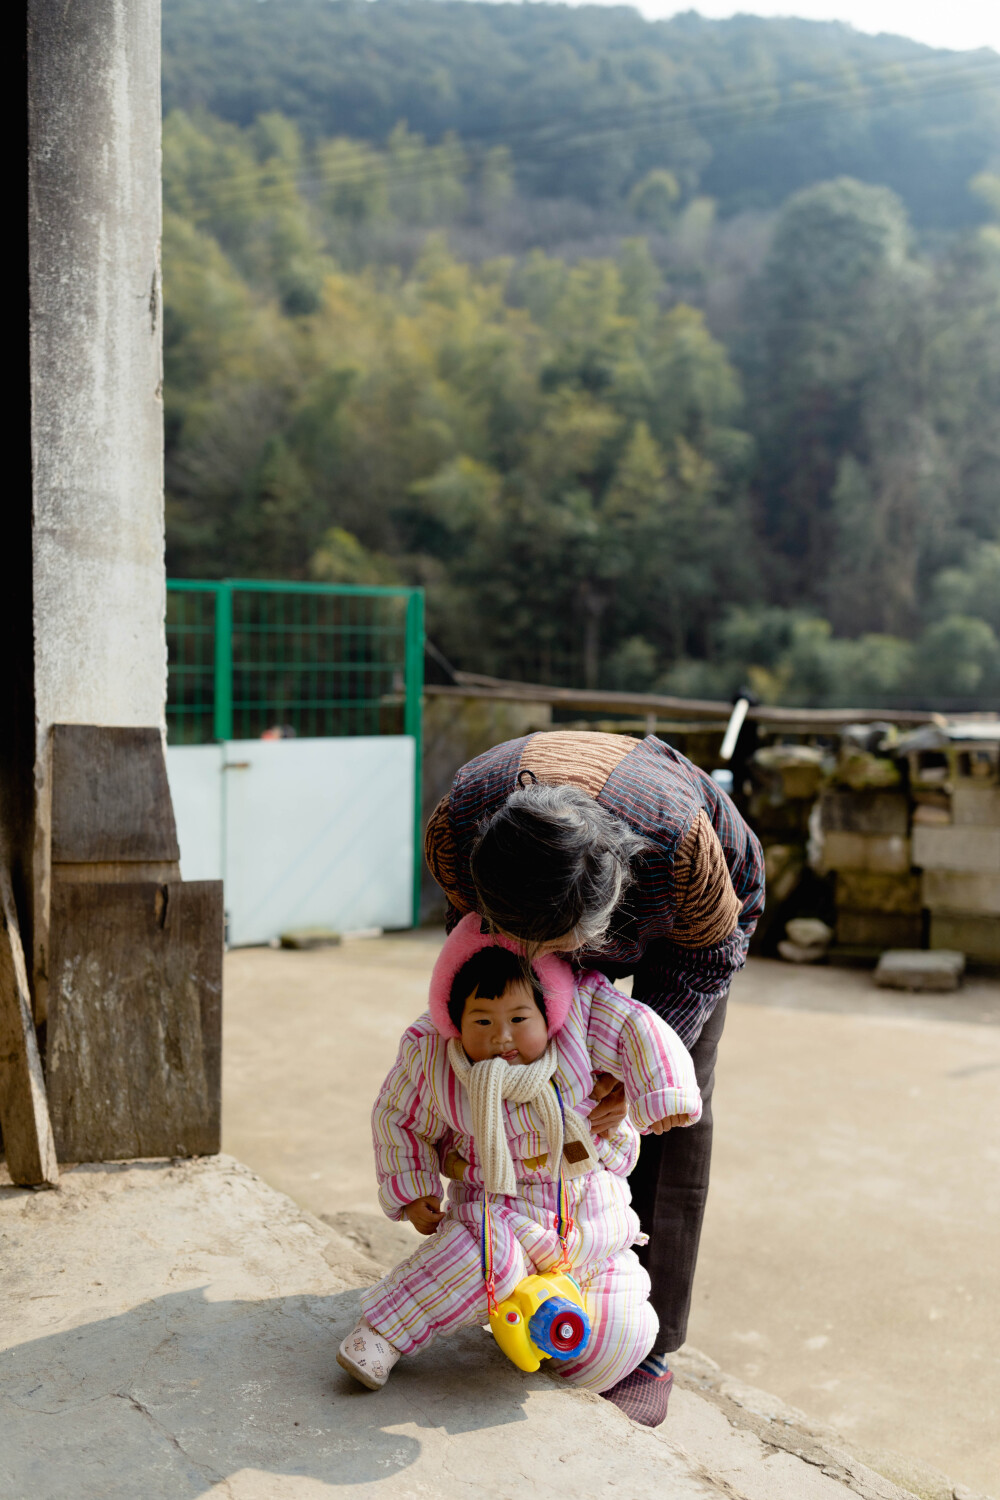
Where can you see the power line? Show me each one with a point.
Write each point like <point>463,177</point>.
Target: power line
<point>764,93</point>
<point>608,126</point>
<point>706,113</point>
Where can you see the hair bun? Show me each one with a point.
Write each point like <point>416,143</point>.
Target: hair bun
<point>552,862</point>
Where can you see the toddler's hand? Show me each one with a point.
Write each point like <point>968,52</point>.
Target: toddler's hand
<point>659,1126</point>
<point>424,1213</point>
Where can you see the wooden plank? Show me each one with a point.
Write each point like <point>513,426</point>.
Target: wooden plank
<point>24,1111</point>
<point>595,700</point>
<point>110,795</point>
<point>134,1032</point>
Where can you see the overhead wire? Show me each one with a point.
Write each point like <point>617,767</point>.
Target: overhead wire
<point>700,116</point>
<point>763,93</point>
<point>634,123</point>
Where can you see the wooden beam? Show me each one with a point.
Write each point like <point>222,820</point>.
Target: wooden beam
<point>24,1110</point>
<point>473,685</point>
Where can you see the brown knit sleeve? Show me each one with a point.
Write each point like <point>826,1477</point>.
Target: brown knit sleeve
<point>708,908</point>
<point>441,854</point>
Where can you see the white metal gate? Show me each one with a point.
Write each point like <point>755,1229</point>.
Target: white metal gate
<point>310,832</point>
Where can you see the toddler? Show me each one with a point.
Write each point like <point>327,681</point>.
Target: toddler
<point>471,1094</point>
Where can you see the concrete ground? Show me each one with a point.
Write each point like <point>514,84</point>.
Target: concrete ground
<point>168,1332</point>
<point>849,1259</point>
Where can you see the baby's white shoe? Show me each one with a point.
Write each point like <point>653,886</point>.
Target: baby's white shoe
<point>367,1356</point>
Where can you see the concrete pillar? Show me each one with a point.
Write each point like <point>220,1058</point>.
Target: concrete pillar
<point>96,376</point>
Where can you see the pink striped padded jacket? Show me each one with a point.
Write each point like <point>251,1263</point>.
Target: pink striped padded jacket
<point>422,1111</point>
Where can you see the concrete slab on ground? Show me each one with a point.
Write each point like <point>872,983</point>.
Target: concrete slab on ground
<point>169,1331</point>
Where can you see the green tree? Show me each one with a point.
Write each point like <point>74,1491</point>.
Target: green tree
<point>654,199</point>
<point>340,558</point>
<point>958,656</point>
<point>972,590</point>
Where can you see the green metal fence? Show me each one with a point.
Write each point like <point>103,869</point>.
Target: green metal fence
<point>321,659</point>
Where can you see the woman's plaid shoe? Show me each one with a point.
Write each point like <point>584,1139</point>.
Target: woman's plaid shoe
<point>367,1356</point>
<point>642,1397</point>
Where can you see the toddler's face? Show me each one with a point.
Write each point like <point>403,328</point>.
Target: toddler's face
<point>511,1026</point>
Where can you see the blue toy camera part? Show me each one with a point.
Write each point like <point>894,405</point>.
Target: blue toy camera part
<point>559,1328</point>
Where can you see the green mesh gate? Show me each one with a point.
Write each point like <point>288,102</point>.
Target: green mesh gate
<point>246,656</point>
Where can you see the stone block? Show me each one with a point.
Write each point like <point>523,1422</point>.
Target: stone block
<point>977,762</point>
<point>862,769</point>
<point>916,969</point>
<point>307,938</point>
<point>977,937</point>
<point>861,890</point>
<point>976,806</point>
<point>973,850</point>
<point>931,815</point>
<point>864,812</point>
<point>779,819</point>
<point>800,953</point>
<point>809,932</point>
<point>794,772</point>
<point>879,929</point>
<point>881,853</point>
<point>931,796</point>
<point>962,894</point>
<point>783,864</point>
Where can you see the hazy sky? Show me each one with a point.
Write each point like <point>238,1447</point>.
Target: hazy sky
<point>942,23</point>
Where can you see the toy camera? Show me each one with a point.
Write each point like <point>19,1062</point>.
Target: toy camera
<point>543,1318</point>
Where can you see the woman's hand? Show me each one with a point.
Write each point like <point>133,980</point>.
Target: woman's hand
<point>424,1213</point>
<point>658,1127</point>
<point>454,1166</point>
<point>611,1107</point>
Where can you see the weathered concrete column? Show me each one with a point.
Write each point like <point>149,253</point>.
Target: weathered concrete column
<point>96,372</point>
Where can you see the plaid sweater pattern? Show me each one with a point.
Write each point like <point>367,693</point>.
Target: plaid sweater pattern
<point>659,793</point>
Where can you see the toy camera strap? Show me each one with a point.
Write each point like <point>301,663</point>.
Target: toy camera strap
<point>562,1223</point>
<point>486,1254</point>
<point>563,1218</point>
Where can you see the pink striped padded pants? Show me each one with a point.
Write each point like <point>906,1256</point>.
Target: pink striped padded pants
<point>439,1288</point>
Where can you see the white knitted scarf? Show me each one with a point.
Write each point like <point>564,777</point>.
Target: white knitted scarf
<point>488,1084</point>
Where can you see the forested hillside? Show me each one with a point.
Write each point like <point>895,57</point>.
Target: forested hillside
<point>589,99</point>
<point>625,429</point>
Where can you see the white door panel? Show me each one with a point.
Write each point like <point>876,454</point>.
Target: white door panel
<point>314,832</point>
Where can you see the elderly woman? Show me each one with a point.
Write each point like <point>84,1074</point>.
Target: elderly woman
<point>625,855</point>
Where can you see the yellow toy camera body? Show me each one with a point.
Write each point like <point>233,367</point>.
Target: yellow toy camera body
<point>545,1317</point>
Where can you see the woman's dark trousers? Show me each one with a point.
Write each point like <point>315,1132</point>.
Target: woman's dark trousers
<point>669,1188</point>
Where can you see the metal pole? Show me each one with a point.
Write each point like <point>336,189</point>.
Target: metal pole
<point>224,661</point>
<point>413,717</point>
<point>733,728</point>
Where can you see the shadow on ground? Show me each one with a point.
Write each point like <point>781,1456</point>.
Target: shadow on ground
<point>181,1392</point>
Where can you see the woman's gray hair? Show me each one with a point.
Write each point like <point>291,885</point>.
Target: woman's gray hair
<point>552,862</point>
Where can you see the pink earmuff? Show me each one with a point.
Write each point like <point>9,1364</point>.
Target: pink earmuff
<point>554,974</point>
